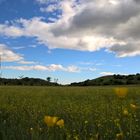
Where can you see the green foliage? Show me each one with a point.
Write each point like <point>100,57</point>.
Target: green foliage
<point>28,82</point>
<point>48,79</point>
<point>101,81</point>
<point>111,80</point>
<point>90,113</point>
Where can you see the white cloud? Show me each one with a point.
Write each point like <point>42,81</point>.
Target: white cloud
<point>11,31</point>
<point>44,36</point>
<point>131,49</point>
<point>18,48</point>
<point>52,67</point>
<point>92,69</point>
<point>50,8</point>
<point>112,73</point>
<point>33,46</point>
<point>99,64</point>
<point>72,69</point>
<point>8,55</point>
<point>23,47</point>
<point>113,24</point>
<point>88,69</point>
<point>86,63</point>
<point>52,19</point>
<point>107,73</point>
<point>26,62</point>
<point>25,68</point>
<point>42,1</point>
<point>46,1</point>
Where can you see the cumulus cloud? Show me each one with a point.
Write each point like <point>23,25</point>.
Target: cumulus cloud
<point>10,31</point>
<point>126,50</point>
<point>86,26</point>
<point>52,67</point>
<point>8,55</point>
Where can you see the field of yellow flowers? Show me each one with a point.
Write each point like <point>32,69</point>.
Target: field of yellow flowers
<point>70,113</point>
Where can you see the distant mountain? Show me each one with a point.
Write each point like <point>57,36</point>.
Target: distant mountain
<point>27,82</point>
<point>111,80</point>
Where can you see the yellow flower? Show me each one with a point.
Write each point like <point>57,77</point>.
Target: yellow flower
<point>125,112</point>
<point>133,107</point>
<point>121,92</point>
<point>50,121</point>
<point>119,136</point>
<point>60,123</point>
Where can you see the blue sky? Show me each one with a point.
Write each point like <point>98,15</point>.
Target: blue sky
<point>72,40</point>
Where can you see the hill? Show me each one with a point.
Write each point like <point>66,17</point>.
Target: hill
<point>133,79</point>
<point>111,80</point>
<point>27,82</point>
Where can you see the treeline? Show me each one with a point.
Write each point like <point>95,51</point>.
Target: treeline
<point>111,80</point>
<point>133,79</point>
<point>27,82</point>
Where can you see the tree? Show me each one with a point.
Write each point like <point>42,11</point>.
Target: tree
<point>48,79</point>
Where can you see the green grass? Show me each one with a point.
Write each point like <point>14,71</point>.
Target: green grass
<point>90,113</point>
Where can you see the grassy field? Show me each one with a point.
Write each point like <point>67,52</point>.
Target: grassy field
<point>85,113</point>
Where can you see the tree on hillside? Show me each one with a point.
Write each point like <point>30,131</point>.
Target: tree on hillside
<point>48,79</point>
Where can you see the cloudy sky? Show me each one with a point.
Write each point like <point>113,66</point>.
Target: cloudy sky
<point>72,40</point>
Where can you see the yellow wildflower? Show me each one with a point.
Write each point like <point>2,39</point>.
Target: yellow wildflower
<point>50,121</point>
<point>60,123</point>
<point>121,92</point>
<point>119,136</point>
<point>125,112</point>
<point>133,107</point>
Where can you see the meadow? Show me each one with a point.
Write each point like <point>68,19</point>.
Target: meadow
<point>69,113</point>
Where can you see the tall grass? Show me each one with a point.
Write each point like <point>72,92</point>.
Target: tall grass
<point>89,113</point>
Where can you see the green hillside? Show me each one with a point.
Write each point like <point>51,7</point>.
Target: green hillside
<point>27,82</point>
<point>111,80</point>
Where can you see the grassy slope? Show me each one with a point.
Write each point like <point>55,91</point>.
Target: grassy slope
<point>87,111</point>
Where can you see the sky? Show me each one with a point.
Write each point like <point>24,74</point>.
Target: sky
<point>72,40</point>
